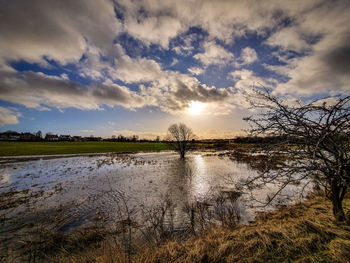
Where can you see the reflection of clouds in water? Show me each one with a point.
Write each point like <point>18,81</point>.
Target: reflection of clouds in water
<point>5,177</point>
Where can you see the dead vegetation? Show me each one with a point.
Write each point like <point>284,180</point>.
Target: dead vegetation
<point>305,232</point>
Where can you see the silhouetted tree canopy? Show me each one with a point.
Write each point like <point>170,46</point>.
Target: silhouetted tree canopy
<point>316,138</point>
<point>179,136</point>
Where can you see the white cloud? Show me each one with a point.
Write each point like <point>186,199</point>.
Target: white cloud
<point>174,62</point>
<point>223,20</point>
<point>157,29</point>
<point>248,56</point>
<point>246,79</point>
<point>214,54</point>
<point>187,47</point>
<point>288,39</point>
<point>196,70</point>
<point>8,116</point>
<point>131,70</point>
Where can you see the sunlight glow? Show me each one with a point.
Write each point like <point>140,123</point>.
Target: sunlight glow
<point>196,108</point>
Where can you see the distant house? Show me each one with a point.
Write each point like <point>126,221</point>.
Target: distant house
<point>10,136</point>
<point>39,135</point>
<point>51,137</point>
<point>27,136</point>
<point>77,138</point>
<point>65,137</point>
<point>92,138</point>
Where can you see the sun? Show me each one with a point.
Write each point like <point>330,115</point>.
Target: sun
<point>196,107</point>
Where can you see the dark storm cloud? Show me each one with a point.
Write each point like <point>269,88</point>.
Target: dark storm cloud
<point>35,90</point>
<point>338,59</point>
<point>58,30</point>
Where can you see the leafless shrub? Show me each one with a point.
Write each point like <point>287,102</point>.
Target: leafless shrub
<point>226,208</point>
<point>199,214</point>
<point>158,221</point>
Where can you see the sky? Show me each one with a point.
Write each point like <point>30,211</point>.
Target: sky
<point>103,67</point>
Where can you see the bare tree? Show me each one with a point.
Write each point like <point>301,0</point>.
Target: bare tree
<point>316,136</point>
<point>180,136</point>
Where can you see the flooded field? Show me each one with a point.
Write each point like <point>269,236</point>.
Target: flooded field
<point>70,193</point>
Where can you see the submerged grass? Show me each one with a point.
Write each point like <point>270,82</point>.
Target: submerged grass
<point>50,148</point>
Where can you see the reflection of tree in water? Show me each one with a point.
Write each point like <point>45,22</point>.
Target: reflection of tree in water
<point>178,187</point>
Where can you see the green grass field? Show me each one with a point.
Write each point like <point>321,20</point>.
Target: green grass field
<point>47,148</point>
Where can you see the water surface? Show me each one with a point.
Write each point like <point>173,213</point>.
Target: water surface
<point>80,188</point>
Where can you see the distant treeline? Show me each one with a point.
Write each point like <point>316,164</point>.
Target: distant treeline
<point>263,140</point>
<point>50,137</point>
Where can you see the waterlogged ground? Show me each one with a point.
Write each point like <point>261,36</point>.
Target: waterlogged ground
<point>68,193</point>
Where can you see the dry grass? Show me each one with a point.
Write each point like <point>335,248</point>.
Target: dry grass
<point>305,232</point>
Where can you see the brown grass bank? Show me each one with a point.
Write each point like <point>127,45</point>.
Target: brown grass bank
<point>305,232</point>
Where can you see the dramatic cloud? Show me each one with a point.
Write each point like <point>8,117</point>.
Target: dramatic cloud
<point>174,92</point>
<point>57,30</point>
<point>163,55</point>
<point>8,116</point>
<point>171,92</point>
<point>37,90</point>
<point>223,20</point>
<point>322,35</point>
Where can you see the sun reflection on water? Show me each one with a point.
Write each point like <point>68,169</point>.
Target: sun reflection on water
<point>199,185</point>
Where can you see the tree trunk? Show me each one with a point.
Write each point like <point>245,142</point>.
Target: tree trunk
<point>337,195</point>
<point>338,211</point>
<point>182,154</point>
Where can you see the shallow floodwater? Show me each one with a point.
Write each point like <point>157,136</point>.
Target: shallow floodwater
<point>81,188</point>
